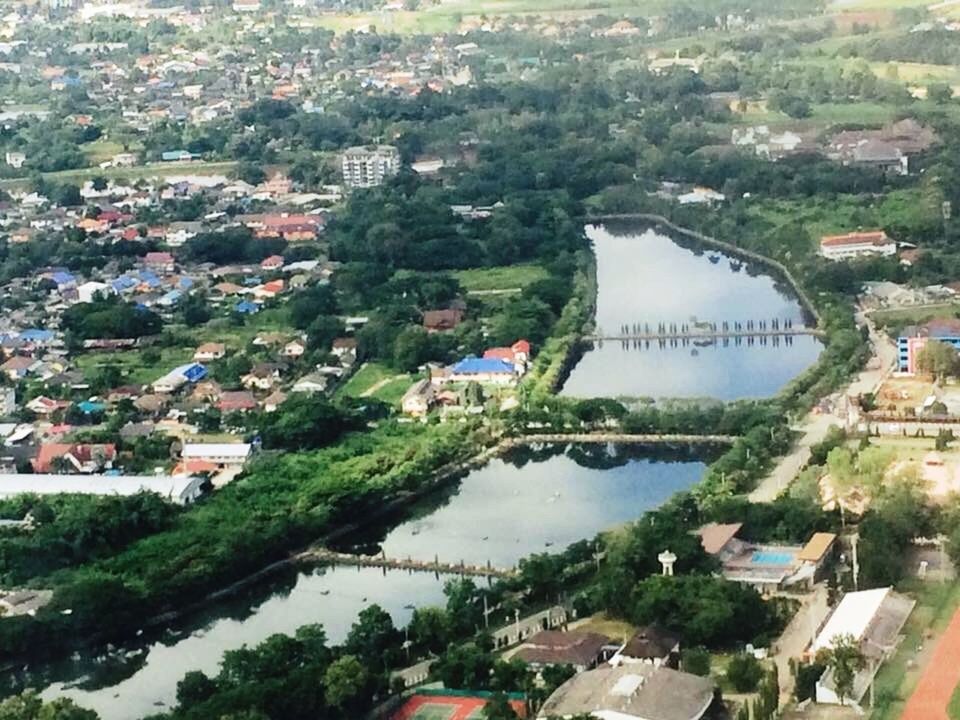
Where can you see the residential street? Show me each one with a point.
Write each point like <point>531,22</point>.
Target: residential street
<point>815,425</point>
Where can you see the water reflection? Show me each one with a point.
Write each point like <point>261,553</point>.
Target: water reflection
<point>648,279</point>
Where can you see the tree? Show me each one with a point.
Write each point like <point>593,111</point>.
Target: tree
<point>344,681</point>
<point>696,661</point>
<point>498,708</point>
<point>845,659</point>
<point>429,629</point>
<point>195,310</point>
<point>744,672</point>
<point>373,638</point>
<point>305,421</point>
<point>250,173</point>
<point>30,707</point>
<point>194,688</point>
<point>938,358</point>
<point>940,93</point>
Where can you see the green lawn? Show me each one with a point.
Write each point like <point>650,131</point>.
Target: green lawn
<point>365,378</point>
<point>506,277</point>
<point>936,603</point>
<point>131,363</point>
<point>953,709</point>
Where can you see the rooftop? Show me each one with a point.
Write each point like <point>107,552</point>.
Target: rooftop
<point>872,237</point>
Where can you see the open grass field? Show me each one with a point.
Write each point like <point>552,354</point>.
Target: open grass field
<point>135,369</point>
<point>936,604</point>
<point>507,277</point>
<point>378,381</point>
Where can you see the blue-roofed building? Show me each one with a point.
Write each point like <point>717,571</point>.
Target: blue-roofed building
<point>124,283</point>
<point>483,370</point>
<point>245,307</point>
<point>88,407</point>
<point>37,335</point>
<point>170,299</point>
<point>150,279</point>
<point>180,376</point>
<point>63,279</point>
<point>185,283</point>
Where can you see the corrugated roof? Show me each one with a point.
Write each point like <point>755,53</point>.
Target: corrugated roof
<point>714,536</point>
<point>814,550</point>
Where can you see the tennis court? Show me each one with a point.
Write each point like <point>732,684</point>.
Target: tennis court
<point>939,680</point>
<point>447,707</point>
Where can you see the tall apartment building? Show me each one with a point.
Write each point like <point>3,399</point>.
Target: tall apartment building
<point>369,166</point>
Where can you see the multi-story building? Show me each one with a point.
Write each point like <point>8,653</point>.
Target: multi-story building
<point>914,337</point>
<point>857,244</point>
<point>369,166</point>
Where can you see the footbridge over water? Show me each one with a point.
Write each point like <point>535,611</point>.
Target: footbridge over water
<point>707,331</point>
<point>435,566</point>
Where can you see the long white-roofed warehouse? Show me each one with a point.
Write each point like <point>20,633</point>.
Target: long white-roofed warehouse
<point>177,489</point>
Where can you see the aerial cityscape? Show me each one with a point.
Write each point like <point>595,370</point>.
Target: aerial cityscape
<point>479,359</point>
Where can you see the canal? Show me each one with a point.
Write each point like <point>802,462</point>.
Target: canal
<point>531,499</point>
<point>647,278</point>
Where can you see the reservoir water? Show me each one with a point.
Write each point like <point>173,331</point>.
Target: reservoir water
<point>530,500</point>
<point>647,278</point>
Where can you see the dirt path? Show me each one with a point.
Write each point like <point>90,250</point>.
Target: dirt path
<point>940,678</point>
<point>380,384</point>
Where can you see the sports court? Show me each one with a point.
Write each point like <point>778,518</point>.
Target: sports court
<point>447,707</point>
<point>942,675</point>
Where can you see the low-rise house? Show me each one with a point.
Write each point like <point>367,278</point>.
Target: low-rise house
<point>262,376</point>
<point>74,458</point>
<point>312,383</point>
<point>236,401</point>
<point>268,290</point>
<point>274,400</point>
<point>159,261</point>
<point>210,351</point>
<point>517,354</point>
<point>651,645</point>
<point>485,372</point>
<point>580,650</point>
<point>632,692</point>
<point>274,262</point>
<point>418,399</point>
<point>45,406</point>
<point>294,349</point>
<point>344,346</point>
<point>246,307</point>
<point>857,244</point>
<point>151,404</point>
<point>874,619</point>
<point>19,366</point>
<point>442,320</point>
<point>180,376</point>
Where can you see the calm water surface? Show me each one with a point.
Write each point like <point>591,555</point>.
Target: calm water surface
<point>531,500</point>
<point>648,278</point>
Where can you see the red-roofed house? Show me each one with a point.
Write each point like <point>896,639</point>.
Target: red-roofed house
<point>274,262</point>
<point>161,261</point>
<point>268,289</point>
<point>518,354</point>
<point>74,458</point>
<point>237,401</point>
<point>857,244</point>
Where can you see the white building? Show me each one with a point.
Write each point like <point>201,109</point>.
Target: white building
<point>16,159</point>
<point>857,244</point>
<point>89,290</point>
<point>217,453</point>
<point>874,619</point>
<point>181,490</point>
<point>369,166</point>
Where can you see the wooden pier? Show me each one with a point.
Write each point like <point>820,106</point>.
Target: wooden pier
<point>436,567</point>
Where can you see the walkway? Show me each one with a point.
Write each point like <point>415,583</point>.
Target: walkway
<point>814,427</point>
<point>331,557</point>
<point>798,635</point>
<point>932,695</point>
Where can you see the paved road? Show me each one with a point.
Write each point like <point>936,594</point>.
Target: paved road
<point>814,427</point>
<point>798,635</point>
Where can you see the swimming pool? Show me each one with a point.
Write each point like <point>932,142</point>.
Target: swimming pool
<point>766,557</point>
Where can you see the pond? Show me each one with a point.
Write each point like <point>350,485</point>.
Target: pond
<point>645,278</point>
<point>534,499</point>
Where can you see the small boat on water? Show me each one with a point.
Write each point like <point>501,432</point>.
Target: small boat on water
<point>713,258</point>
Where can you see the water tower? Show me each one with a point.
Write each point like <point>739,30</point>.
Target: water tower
<point>667,560</point>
